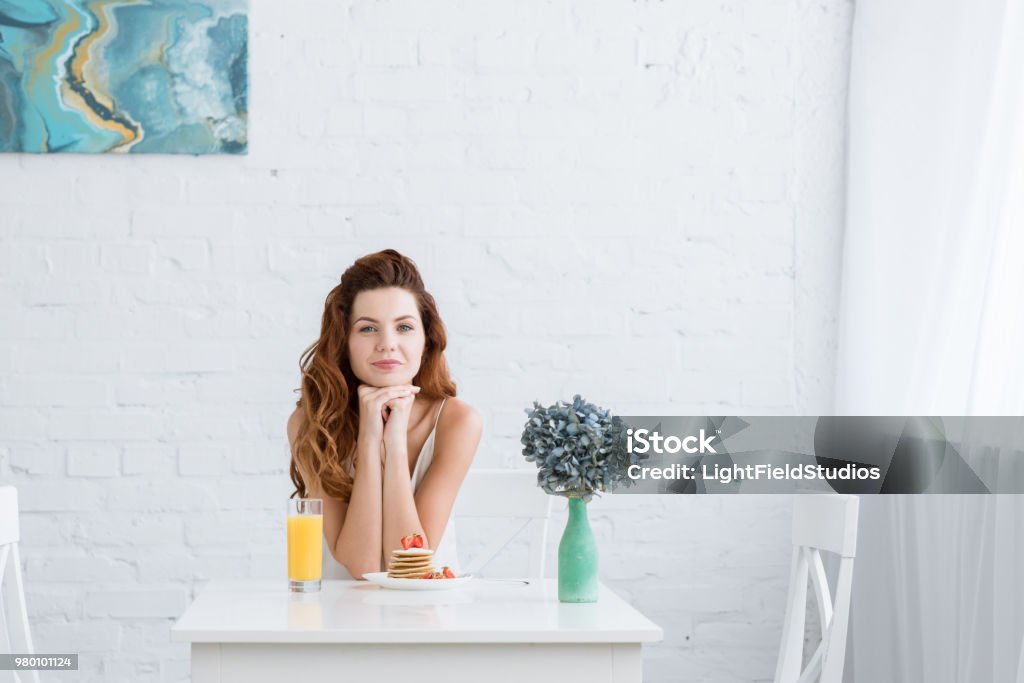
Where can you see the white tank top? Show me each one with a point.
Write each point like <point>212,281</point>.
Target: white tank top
<point>444,555</point>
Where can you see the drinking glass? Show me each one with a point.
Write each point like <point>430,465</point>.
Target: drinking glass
<point>305,544</point>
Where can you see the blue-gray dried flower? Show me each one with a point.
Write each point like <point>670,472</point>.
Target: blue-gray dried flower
<point>579,448</point>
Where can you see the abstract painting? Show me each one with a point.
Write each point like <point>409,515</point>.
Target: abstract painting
<point>128,76</point>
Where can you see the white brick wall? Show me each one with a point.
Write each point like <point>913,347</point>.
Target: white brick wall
<point>639,201</point>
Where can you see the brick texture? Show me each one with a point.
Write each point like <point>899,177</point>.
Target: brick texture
<point>639,201</point>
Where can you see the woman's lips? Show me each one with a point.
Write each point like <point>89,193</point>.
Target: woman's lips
<point>387,365</point>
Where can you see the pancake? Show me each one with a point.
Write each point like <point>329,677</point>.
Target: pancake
<point>412,552</point>
<point>417,565</point>
<point>410,563</point>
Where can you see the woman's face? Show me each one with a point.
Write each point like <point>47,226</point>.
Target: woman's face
<point>386,339</point>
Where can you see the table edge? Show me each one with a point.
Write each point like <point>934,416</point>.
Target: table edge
<point>412,637</point>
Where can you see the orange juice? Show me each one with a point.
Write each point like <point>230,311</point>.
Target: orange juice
<point>305,549</point>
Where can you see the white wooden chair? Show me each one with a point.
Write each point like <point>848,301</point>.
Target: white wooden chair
<point>13,614</point>
<point>820,522</point>
<point>512,494</point>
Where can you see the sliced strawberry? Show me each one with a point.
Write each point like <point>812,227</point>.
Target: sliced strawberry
<point>448,573</point>
<point>427,575</point>
<point>407,542</point>
<point>417,541</point>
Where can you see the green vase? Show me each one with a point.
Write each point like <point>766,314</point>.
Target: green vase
<point>577,557</point>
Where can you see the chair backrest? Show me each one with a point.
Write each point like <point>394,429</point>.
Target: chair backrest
<point>13,615</point>
<point>820,522</point>
<point>510,494</point>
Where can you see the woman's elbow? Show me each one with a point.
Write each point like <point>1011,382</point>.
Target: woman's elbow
<point>357,568</point>
<point>358,572</point>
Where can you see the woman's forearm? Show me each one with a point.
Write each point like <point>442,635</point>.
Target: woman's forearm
<point>400,516</point>
<point>359,543</point>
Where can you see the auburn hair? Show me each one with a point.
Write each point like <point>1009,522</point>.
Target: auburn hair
<point>329,402</point>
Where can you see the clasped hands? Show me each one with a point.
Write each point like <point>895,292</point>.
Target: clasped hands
<point>384,416</point>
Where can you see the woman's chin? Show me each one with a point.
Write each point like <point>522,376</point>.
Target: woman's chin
<point>381,380</point>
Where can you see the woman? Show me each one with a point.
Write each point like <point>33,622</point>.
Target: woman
<point>378,433</point>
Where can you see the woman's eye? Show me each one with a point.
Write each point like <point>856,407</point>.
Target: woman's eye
<point>366,329</point>
<point>407,327</point>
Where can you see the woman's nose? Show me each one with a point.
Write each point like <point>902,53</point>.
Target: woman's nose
<point>386,342</point>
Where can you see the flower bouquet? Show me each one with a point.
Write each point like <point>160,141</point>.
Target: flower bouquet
<point>579,449</point>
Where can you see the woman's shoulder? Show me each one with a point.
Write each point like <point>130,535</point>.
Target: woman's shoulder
<point>456,409</point>
<point>457,415</point>
<point>458,432</point>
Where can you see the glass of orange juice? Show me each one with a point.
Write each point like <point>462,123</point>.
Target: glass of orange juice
<point>305,544</point>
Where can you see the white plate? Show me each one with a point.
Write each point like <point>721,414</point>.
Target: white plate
<point>382,580</point>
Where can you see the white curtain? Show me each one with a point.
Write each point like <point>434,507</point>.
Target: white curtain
<point>932,323</point>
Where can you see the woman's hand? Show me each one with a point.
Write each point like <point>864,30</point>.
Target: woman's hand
<point>375,411</point>
<point>396,423</point>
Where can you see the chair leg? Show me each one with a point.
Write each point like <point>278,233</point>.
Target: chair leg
<point>19,612</point>
<point>1020,664</point>
<point>791,650</point>
<point>835,654</point>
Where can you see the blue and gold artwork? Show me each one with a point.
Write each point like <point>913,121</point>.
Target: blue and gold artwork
<point>138,76</point>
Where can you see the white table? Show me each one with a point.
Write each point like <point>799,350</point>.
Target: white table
<point>255,631</point>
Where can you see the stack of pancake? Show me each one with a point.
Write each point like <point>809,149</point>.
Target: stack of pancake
<point>411,564</point>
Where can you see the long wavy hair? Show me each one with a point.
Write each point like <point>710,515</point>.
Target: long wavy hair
<point>326,442</point>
